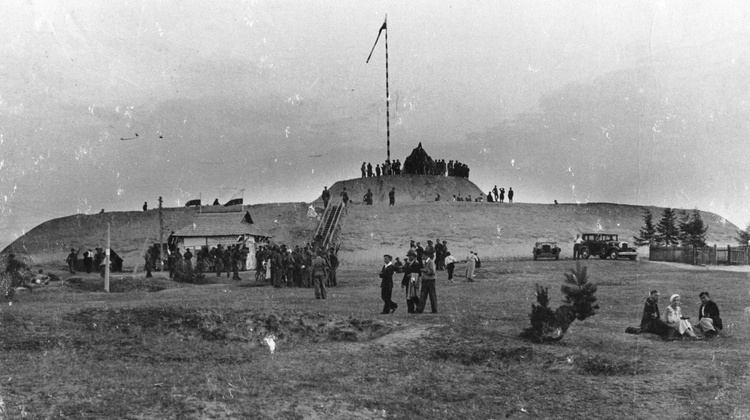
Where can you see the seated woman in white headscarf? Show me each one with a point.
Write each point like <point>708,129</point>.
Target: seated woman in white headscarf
<point>673,317</point>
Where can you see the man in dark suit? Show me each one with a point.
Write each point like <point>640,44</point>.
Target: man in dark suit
<point>708,316</point>
<point>326,196</point>
<point>651,321</point>
<point>386,285</point>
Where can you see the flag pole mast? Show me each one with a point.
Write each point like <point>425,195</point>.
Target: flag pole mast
<point>387,97</point>
<point>387,93</point>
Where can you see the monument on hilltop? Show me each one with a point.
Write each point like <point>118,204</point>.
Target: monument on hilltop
<point>419,162</point>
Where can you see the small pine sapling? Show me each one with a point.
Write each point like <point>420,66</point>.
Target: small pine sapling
<point>580,303</point>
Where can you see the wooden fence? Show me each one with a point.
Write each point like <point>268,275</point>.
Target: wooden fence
<point>708,255</point>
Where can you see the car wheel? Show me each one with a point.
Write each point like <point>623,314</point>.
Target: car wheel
<point>613,254</point>
<point>584,254</point>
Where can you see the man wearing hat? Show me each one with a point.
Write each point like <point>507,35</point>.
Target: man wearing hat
<point>411,281</point>
<point>386,285</point>
<point>428,282</point>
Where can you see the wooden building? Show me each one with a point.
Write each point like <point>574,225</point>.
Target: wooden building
<point>212,229</point>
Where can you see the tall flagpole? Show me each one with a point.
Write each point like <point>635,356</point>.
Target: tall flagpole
<point>387,97</point>
<point>387,93</point>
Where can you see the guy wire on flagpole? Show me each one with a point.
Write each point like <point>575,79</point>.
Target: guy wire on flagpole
<point>387,94</point>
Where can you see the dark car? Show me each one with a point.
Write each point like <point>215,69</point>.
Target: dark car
<point>606,245</point>
<point>546,249</point>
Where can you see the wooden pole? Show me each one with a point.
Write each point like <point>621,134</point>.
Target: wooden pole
<point>387,93</point>
<point>106,261</point>
<point>161,238</point>
<point>387,98</point>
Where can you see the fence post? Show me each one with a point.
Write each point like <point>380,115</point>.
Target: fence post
<point>729,255</point>
<point>694,261</point>
<point>716,256</point>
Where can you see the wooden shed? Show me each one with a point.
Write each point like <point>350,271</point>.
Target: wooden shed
<point>212,229</point>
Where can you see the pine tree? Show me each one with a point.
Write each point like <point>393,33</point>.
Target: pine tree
<point>666,231</point>
<point>548,325</point>
<point>694,232</point>
<point>683,228</point>
<point>579,293</point>
<point>648,231</point>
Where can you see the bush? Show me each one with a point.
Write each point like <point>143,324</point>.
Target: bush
<point>548,325</point>
<point>182,274</point>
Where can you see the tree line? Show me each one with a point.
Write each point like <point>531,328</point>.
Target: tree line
<point>689,229</point>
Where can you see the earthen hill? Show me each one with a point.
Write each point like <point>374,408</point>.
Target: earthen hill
<point>494,230</point>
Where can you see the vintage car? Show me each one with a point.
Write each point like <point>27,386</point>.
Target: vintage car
<point>606,245</point>
<point>546,249</point>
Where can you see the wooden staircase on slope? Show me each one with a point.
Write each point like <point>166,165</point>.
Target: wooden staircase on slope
<point>326,231</point>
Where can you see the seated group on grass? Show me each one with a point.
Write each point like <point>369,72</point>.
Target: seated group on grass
<point>677,325</point>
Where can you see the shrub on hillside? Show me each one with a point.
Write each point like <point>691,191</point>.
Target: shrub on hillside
<point>551,325</point>
<point>183,274</point>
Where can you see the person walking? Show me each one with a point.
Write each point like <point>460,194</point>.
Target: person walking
<point>471,265</point>
<point>345,197</point>
<point>450,265</point>
<point>386,285</point>
<point>326,196</point>
<point>319,273</point>
<point>428,283</point>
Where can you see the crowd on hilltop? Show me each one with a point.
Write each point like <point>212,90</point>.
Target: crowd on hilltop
<point>386,168</point>
<point>438,167</point>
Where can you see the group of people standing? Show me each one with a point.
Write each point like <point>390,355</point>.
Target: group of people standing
<point>674,323</point>
<point>92,259</point>
<point>437,167</point>
<point>498,196</point>
<point>419,274</point>
<point>310,266</point>
<point>387,168</point>
<point>219,259</point>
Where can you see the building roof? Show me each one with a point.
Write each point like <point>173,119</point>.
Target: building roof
<point>220,224</point>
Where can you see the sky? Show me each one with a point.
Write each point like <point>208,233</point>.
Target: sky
<point>107,105</point>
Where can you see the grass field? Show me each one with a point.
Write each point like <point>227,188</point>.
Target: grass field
<point>195,352</point>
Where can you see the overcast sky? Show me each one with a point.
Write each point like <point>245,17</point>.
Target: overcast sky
<point>576,101</point>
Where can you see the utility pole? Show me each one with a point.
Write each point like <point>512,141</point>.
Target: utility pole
<point>161,237</point>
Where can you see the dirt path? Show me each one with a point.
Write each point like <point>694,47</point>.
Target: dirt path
<point>732,268</point>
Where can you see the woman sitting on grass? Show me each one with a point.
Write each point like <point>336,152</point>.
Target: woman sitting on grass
<point>673,317</point>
